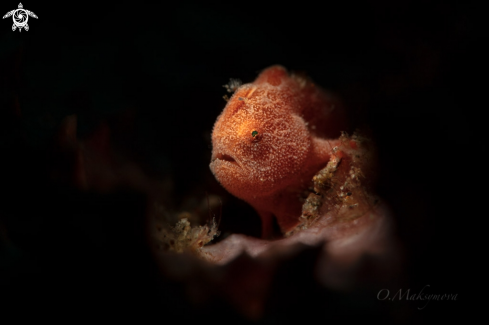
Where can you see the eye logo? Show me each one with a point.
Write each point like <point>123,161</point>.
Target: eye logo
<point>20,17</point>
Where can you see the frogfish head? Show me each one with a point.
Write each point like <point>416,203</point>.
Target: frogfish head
<point>259,143</point>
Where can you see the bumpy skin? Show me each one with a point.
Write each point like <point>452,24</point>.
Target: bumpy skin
<point>272,137</point>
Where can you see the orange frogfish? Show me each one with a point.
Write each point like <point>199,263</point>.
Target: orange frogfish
<point>272,137</point>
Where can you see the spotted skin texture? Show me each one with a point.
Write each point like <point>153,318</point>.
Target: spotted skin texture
<point>271,138</point>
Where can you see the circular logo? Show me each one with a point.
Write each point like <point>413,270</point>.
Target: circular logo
<point>20,17</point>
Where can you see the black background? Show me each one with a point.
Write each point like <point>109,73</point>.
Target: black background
<point>410,70</point>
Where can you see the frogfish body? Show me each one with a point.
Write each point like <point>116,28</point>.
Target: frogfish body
<point>271,138</point>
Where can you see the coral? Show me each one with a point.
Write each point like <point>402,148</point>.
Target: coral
<point>183,237</point>
<point>338,187</point>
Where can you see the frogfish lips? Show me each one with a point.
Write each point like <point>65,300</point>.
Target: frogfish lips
<point>224,157</point>
<point>221,161</point>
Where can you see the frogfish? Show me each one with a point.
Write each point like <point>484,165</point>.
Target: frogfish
<point>272,137</point>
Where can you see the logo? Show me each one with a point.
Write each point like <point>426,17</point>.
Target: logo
<point>20,17</point>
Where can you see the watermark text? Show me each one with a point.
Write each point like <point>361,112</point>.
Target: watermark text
<point>423,296</point>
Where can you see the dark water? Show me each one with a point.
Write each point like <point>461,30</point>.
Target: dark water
<point>154,75</point>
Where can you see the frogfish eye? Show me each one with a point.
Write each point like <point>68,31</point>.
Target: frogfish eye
<point>256,136</point>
